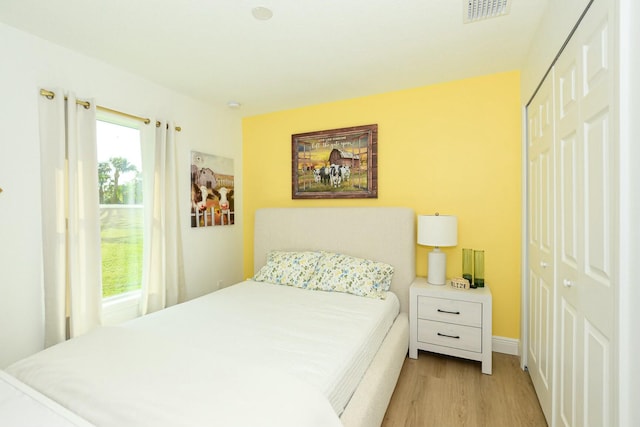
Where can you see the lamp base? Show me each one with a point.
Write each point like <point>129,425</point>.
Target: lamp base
<point>437,267</point>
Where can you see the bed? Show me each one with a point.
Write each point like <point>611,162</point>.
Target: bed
<point>258,353</point>
<point>22,406</point>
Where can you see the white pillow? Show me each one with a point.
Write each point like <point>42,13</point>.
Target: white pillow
<point>343,273</point>
<point>288,268</point>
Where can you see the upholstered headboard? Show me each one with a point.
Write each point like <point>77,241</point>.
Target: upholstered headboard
<point>381,234</point>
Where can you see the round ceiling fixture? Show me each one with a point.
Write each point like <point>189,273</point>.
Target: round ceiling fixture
<point>261,13</point>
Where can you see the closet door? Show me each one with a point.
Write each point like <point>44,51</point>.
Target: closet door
<point>586,218</point>
<point>540,154</point>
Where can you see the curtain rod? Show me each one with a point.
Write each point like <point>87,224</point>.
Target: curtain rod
<point>86,104</point>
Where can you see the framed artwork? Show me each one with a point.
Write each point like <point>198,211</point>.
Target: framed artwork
<point>335,164</point>
<point>212,188</point>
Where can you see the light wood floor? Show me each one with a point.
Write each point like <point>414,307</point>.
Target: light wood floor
<point>442,391</point>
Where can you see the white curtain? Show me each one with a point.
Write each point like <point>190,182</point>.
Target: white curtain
<point>162,276</point>
<point>70,217</point>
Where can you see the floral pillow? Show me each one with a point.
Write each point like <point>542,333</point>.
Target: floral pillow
<point>288,268</point>
<point>343,273</point>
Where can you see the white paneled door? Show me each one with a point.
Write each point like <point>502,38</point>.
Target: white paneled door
<point>540,154</point>
<point>586,213</point>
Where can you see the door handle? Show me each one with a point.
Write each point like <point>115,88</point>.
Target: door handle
<point>567,283</point>
<point>543,264</point>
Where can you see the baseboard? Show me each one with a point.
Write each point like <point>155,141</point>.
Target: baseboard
<point>505,345</point>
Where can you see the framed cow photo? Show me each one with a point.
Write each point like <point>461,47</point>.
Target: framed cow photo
<point>335,164</point>
<point>212,190</point>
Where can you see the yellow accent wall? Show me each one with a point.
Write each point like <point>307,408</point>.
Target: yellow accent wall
<point>454,148</point>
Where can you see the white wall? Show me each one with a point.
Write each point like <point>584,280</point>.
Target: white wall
<point>28,63</point>
<point>629,296</point>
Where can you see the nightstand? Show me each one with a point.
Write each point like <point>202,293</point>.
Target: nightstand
<point>450,321</point>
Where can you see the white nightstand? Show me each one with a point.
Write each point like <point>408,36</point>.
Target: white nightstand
<point>450,321</point>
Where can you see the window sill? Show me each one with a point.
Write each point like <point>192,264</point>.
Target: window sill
<point>120,308</point>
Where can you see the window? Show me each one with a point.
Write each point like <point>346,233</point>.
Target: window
<point>121,205</point>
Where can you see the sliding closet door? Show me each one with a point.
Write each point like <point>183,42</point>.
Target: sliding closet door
<point>586,218</point>
<point>540,154</point>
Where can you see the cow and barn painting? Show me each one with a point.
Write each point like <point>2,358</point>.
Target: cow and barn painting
<point>337,163</point>
<point>212,188</point>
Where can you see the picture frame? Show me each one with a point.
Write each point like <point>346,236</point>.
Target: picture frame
<point>335,164</point>
<point>212,190</point>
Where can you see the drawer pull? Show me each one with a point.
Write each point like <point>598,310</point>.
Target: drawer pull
<point>449,336</point>
<point>448,312</point>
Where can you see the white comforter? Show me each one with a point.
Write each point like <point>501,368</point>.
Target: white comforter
<point>250,355</point>
<point>22,406</point>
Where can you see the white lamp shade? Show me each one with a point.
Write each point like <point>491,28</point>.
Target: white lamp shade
<point>437,230</point>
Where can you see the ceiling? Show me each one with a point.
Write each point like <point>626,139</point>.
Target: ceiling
<point>309,52</point>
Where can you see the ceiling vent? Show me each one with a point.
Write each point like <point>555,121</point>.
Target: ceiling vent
<point>477,10</point>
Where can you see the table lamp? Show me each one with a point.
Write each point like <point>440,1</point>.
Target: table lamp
<point>437,231</point>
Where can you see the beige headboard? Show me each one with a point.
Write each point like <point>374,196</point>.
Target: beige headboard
<point>381,234</point>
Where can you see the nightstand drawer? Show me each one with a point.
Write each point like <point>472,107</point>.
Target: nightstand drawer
<point>450,311</point>
<point>450,335</point>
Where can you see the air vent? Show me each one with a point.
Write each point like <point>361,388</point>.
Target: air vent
<point>477,10</point>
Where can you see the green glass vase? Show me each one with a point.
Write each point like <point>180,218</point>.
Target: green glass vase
<point>478,268</point>
<point>467,265</point>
